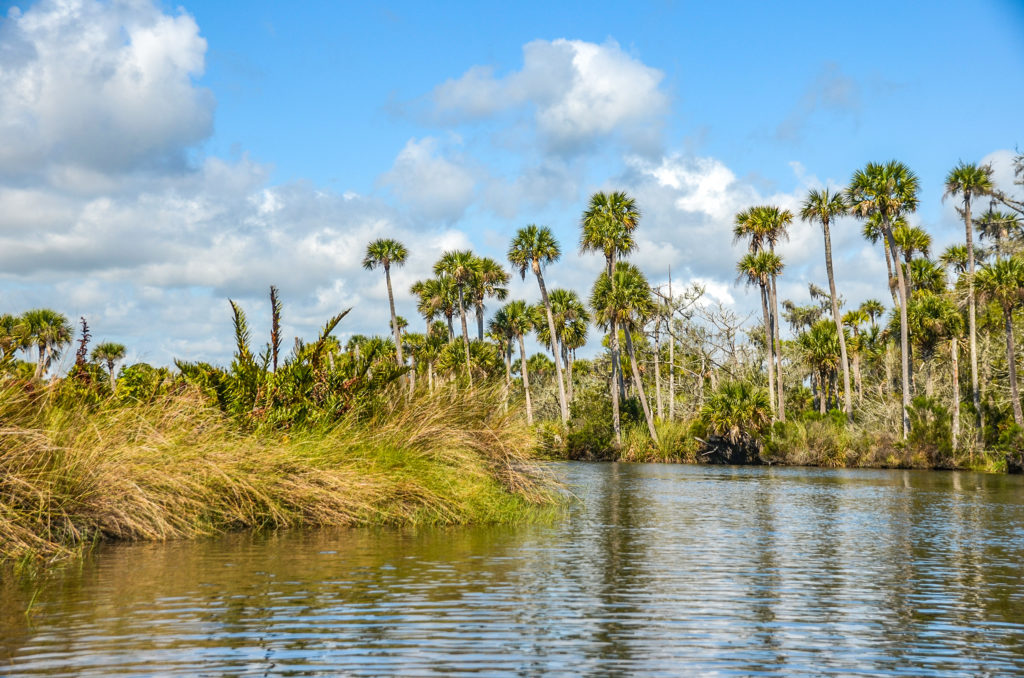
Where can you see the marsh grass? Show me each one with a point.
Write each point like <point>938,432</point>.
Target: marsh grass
<point>178,468</point>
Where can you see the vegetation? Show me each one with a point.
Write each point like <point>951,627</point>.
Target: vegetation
<point>434,427</point>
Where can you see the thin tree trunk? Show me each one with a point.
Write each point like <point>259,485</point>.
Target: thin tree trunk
<point>848,396</point>
<point>412,374</point>
<point>671,353</point>
<point>430,377</point>
<point>394,317</point>
<point>562,402</point>
<point>465,336</point>
<point>770,349</point>
<point>113,382</point>
<point>40,365</point>
<point>779,384</point>
<point>526,380</point>
<point>657,367</point>
<point>568,360</point>
<point>480,320</point>
<point>904,340</point>
<point>857,378</point>
<point>640,387</point>
<point>507,356</point>
<point>891,279</point>
<point>954,353</point>
<point>822,393</point>
<point>972,313</point>
<point>1011,360</point>
<point>451,327</point>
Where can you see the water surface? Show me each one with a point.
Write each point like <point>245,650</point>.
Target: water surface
<point>664,570</point>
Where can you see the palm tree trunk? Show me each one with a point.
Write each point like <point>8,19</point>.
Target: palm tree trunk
<point>857,378</point>
<point>972,313</point>
<point>640,386</point>
<point>394,317</point>
<point>113,382</point>
<point>904,340</point>
<point>480,320</point>
<point>451,327</point>
<point>563,404</point>
<point>526,380</point>
<point>657,367</point>
<point>839,323</point>
<point>769,347</point>
<point>567,359</point>
<point>891,278</point>
<point>778,349</point>
<point>1011,360</point>
<point>506,355</point>
<point>465,336</point>
<point>412,374</point>
<point>822,393</point>
<point>954,353</point>
<point>430,376</point>
<point>40,365</point>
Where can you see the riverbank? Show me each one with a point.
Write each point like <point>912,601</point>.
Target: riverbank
<point>178,468</point>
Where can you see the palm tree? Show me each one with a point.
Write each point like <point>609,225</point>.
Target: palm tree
<point>955,257</point>
<point>1003,281</point>
<point>48,331</point>
<point>500,331</point>
<point>756,268</point>
<point>109,353</point>
<point>998,226</point>
<point>873,308</point>
<point>889,190</point>
<point>911,240</point>
<point>461,266</point>
<point>520,322</point>
<point>607,227</point>
<point>489,280</point>
<point>823,207</point>
<point>534,247</point>
<point>968,181</point>
<point>873,233</point>
<point>384,252</point>
<point>767,225</point>
<point>820,346</point>
<point>853,320</point>
<point>626,297</point>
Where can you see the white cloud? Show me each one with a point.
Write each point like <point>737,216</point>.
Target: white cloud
<point>89,87</point>
<point>580,92</point>
<point>431,184</point>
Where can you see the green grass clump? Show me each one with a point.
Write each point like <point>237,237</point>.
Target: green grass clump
<point>177,468</point>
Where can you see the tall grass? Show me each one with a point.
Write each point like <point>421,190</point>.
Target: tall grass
<point>178,468</point>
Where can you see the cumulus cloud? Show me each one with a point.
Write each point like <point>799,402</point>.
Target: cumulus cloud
<point>579,92</point>
<point>430,183</point>
<point>90,87</point>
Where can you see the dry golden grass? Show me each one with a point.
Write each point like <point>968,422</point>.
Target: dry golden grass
<point>178,469</point>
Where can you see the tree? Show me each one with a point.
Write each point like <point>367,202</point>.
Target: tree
<point>756,268</point>
<point>820,346</point>
<point>626,299</point>
<point>500,331</point>
<point>534,247</point>
<point>571,320</point>
<point>968,181</point>
<point>520,322</point>
<point>607,227</point>
<point>384,252</point>
<point>489,280</point>
<point>824,207</point>
<point>48,331</point>
<point>461,266</point>
<point>109,354</point>
<point>873,308</point>
<point>1003,282</point>
<point>890,191</point>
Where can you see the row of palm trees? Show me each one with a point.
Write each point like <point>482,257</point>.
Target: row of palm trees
<point>883,195</point>
<point>48,333</point>
<point>621,300</point>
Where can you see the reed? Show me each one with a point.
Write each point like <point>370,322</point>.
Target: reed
<point>177,468</point>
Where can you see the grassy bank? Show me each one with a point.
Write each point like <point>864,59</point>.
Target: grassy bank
<point>175,468</point>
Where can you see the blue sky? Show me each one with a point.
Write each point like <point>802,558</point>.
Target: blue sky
<point>158,158</point>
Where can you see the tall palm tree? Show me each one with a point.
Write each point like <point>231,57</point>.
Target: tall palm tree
<point>853,320</point>
<point>755,268</point>
<point>824,207</point>
<point>968,181</point>
<point>48,331</point>
<point>520,321</point>
<point>110,354</point>
<point>1003,281</point>
<point>873,233</point>
<point>955,257</point>
<point>911,240</point>
<point>534,247</point>
<point>889,190</point>
<point>766,226</point>
<point>461,266</point>
<point>384,252</point>
<point>489,280</point>
<point>607,224</point>
<point>626,297</point>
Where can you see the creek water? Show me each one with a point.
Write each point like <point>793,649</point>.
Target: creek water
<point>657,569</point>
